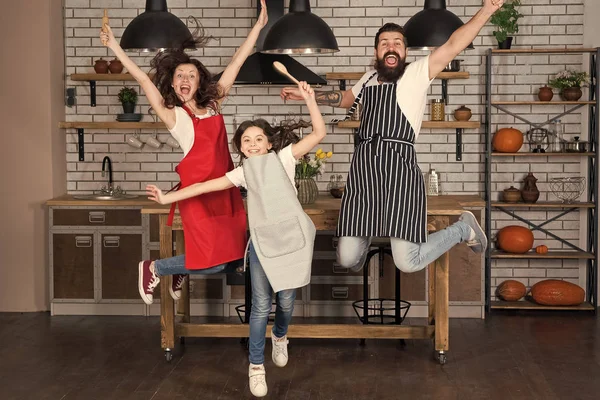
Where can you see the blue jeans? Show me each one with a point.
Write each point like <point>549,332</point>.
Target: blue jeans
<point>176,265</point>
<point>261,307</point>
<point>408,257</point>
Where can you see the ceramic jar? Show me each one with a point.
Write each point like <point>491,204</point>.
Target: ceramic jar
<point>115,67</point>
<point>101,66</point>
<point>545,93</point>
<point>530,191</point>
<point>512,195</point>
<point>571,94</point>
<point>462,113</point>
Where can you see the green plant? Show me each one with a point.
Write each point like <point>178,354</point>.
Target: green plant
<point>128,95</point>
<point>307,168</point>
<point>505,19</point>
<point>568,79</point>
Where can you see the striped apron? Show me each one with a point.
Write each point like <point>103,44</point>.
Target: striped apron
<point>385,192</point>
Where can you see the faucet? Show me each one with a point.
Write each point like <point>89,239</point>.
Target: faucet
<point>110,174</point>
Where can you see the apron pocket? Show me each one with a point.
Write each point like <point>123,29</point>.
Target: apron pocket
<point>278,239</point>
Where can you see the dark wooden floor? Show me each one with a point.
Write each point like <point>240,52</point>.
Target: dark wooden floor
<point>507,356</point>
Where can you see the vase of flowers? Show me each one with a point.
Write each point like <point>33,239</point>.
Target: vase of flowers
<point>569,83</point>
<point>306,170</point>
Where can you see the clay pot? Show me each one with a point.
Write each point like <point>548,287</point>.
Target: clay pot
<point>115,67</point>
<point>101,66</point>
<point>462,113</point>
<point>530,191</point>
<point>545,93</point>
<point>508,140</point>
<point>571,94</point>
<point>512,195</point>
<point>515,239</point>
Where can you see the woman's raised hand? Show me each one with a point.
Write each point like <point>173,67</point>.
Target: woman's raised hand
<point>107,38</point>
<point>263,17</point>
<point>306,91</point>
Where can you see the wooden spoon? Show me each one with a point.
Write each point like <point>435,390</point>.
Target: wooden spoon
<point>279,67</point>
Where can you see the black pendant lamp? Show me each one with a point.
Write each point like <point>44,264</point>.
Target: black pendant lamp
<point>155,29</point>
<point>300,32</point>
<point>431,27</point>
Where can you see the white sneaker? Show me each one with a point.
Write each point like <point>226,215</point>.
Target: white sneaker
<point>280,353</point>
<point>257,380</point>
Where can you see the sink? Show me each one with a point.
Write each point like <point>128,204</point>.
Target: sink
<point>104,196</point>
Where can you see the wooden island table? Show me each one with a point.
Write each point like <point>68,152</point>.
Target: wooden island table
<point>324,213</point>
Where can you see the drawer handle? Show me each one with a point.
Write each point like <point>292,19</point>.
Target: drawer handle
<point>338,269</point>
<point>111,241</point>
<point>97,217</point>
<point>339,292</point>
<point>83,241</point>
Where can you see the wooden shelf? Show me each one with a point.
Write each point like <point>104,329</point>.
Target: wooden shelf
<point>354,76</point>
<point>578,255</point>
<point>529,154</point>
<point>103,77</point>
<point>547,50</point>
<point>530,305</point>
<point>541,103</point>
<point>544,204</point>
<point>425,124</point>
<point>112,125</point>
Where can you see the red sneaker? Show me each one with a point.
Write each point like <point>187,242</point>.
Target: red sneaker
<point>176,286</point>
<point>147,281</point>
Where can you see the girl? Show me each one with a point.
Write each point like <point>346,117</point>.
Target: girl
<point>252,139</point>
<point>186,99</point>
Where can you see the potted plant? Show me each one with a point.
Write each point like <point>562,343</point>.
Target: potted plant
<point>306,170</point>
<point>128,98</point>
<point>569,83</point>
<point>505,19</point>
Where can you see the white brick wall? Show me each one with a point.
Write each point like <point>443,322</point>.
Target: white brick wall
<point>516,77</point>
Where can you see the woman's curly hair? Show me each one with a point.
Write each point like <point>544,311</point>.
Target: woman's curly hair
<point>166,62</point>
<point>279,136</point>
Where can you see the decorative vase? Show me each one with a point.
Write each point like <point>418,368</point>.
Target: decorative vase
<point>571,94</point>
<point>128,108</point>
<point>545,93</point>
<point>101,66</point>
<point>115,66</point>
<point>530,192</point>
<point>505,45</point>
<point>462,113</point>
<point>307,190</point>
<point>512,195</point>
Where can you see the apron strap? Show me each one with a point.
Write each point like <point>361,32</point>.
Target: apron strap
<point>356,101</point>
<point>173,205</point>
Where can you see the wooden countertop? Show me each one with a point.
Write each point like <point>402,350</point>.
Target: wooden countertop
<point>436,205</point>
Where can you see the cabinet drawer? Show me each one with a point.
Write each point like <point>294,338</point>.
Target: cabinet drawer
<point>328,267</point>
<point>203,289</point>
<point>237,293</point>
<point>73,266</point>
<point>336,292</point>
<point>96,217</point>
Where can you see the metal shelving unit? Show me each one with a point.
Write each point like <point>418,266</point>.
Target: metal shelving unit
<point>590,207</point>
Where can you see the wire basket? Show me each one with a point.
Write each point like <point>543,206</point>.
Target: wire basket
<point>568,189</point>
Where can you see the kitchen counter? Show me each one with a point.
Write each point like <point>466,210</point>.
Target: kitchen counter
<point>69,200</point>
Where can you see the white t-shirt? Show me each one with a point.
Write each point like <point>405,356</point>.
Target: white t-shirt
<point>411,92</point>
<point>236,176</point>
<point>183,131</point>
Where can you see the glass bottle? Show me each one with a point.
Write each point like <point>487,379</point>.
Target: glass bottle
<point>558,136</point>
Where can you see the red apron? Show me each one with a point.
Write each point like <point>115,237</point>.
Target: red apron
<point>214,224</point>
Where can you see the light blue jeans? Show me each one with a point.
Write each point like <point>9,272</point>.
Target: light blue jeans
<point>262,295</point>
<point>176,265</point>
<point>408,257</point>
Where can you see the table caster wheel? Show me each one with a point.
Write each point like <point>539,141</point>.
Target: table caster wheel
<point>441,357</point>
<point>168,355</point>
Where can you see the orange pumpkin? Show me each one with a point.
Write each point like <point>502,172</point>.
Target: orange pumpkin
<point>511,290</point>
<point>515,239</point>
<point>508,140</point>
<point>541,249</point>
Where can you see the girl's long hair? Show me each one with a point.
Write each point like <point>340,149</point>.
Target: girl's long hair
<point>279,137</point>
<point>166,62</point>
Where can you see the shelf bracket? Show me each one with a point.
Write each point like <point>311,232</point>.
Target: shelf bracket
<point>342,84</point>
<point>445,90</point>
<point>80,143</point>
<point>93,93</point>
<point>459,132</point>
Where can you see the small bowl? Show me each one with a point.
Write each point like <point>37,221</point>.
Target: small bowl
<point>337,192</point>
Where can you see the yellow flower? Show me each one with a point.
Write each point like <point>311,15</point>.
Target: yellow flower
<point>319,151</point>
<point>329,154</point>
<point>321,155</point>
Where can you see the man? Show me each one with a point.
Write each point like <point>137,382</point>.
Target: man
<point>385,193</point>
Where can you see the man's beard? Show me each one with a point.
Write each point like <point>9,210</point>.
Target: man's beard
<point>387,74</point>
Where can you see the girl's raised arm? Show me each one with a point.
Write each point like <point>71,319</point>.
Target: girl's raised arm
<point>308,142</point>
<point>154,97</point>
<point>214,185</point>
